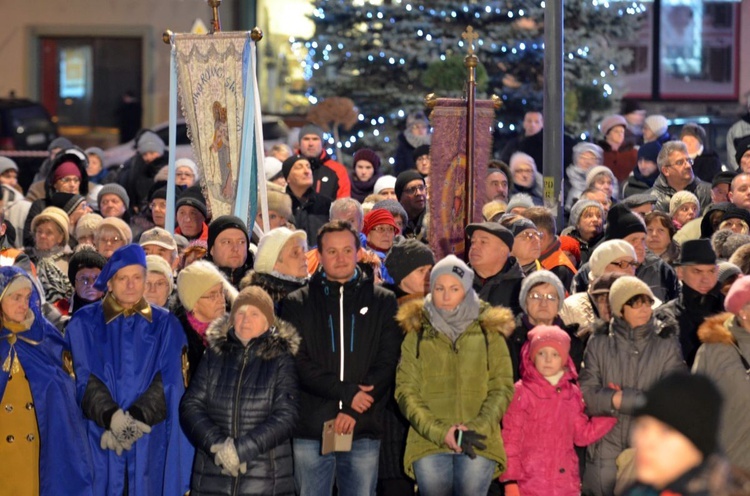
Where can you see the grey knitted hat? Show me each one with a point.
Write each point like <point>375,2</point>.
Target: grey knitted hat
<point>454,266</point>
<point>537,278</point>
<point>519,200</point>
<point>579,207</point>
<point>113,189</point>
<point>727,270</point>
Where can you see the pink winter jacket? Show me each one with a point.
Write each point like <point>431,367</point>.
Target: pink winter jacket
<point>540,428</point>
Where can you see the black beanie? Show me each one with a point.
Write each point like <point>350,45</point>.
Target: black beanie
<point>690,404</point>
<point>220,224</point>
<point>286,166</point>
<point>622,222</point>
<point>407,256</point>
<point>421,150</point>
<point>192,197</point>
<point>160,193</point>
<point>405,178</point>
<point>85,257</point>
<point>66,201</point>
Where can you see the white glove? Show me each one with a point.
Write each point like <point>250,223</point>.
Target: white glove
<point>108,441</point>
<point>126,429</point>
<point>227,458</point>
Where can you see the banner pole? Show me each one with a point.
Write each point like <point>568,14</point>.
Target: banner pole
<point>169,223</point>
<point>470,61</point>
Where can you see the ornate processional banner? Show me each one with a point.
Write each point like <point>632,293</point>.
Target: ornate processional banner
<point>448,172</point>
<point>210,72</point>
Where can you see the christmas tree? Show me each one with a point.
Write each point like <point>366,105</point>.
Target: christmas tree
<point>386,56</point>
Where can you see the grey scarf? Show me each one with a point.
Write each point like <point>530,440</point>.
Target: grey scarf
<point>454,322</point>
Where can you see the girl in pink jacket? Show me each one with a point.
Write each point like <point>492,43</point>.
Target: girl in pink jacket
<point>546,419</point>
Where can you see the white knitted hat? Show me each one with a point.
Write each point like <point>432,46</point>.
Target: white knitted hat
<point>384,182</point>
<point>270,246</point>
<point>606,253</point>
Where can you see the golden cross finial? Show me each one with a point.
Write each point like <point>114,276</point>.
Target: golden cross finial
<point>470,35</point>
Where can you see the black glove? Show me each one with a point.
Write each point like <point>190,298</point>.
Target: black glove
<point>471,440</point>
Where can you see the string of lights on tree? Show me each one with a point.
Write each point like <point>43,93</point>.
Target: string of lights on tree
<point>386,56</point>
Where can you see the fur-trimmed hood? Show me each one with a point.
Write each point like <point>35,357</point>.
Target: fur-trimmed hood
<point>281,338</point>
<point>715,330</point>
<point>411,317</point>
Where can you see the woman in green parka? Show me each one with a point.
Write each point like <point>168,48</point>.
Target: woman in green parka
<point>453,384</point>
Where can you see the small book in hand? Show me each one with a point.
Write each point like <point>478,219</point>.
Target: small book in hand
<point>334,442</point>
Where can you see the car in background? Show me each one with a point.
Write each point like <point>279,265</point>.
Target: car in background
<point>25,126</point>
<point>274,131</point>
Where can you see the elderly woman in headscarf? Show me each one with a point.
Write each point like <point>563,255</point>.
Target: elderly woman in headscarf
<point>585,157</point>
<point>586,225</point>
<point>242,404</point>
<point>42,424</point>
<point>51,254</point>
<point>454,383</point>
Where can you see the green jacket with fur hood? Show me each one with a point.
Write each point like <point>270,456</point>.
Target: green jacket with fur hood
<point>439,383</point>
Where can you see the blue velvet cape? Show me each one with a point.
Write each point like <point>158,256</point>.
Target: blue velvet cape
<point>126,355</point>
<point>64,456</point>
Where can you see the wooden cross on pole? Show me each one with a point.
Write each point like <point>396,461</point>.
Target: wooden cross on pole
<point>470,36</point>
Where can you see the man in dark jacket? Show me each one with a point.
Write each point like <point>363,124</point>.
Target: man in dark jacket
<point>497,275</point>
<point>310,208</point>
<point>137,174</point>
<point>331,179</point>
<point>411,192</point>
<point>701,294</point>
<point>707,163</point>
<point>228,248</point>
<point>677,174</point>
<point>346,363</point>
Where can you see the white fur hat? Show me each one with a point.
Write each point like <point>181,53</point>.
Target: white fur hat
<point>270,246</point>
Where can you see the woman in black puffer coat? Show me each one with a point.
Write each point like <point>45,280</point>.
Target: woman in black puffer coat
<point>242,404</point>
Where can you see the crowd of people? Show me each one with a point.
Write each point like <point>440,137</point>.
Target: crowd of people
<point>336,350</point>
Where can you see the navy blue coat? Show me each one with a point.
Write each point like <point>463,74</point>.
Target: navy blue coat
<point>248,393</point>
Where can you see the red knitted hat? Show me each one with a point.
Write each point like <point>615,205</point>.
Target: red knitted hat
<point>66,169</point>
<point>552,336</point>
<point>572,246</point>
<point>377,217</point>
<point>370,156</point>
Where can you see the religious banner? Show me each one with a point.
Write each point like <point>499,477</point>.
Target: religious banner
<point>448,172</point>
<point>211,72</point>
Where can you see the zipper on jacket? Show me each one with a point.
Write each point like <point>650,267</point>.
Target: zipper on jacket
<point>236,423</point>
<point>341,337</point>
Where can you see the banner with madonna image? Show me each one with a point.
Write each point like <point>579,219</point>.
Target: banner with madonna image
<point>219,99</point>
<point>447,177</point>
